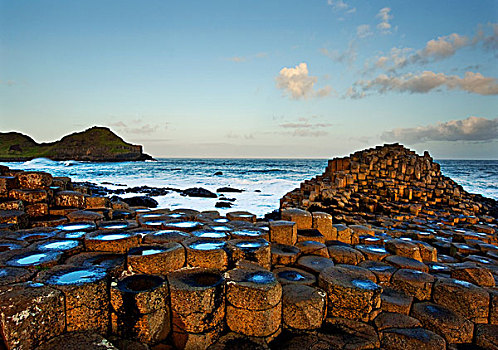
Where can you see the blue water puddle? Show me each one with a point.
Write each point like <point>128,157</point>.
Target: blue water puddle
<point>200,245</point>
<point>261,277</point>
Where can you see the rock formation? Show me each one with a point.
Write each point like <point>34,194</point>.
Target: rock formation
<point>399,257</point>
<point>97,144</point>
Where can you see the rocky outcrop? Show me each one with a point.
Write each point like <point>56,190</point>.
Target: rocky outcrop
<point>97,144</point>
<point>161,279</point>
<point>383,185</point>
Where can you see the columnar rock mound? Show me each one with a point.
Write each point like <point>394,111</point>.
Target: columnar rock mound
<point>94,144</point>
<point>384,183</point>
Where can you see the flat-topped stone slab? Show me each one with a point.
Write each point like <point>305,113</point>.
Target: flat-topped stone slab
<point>206,253</point>
<point>302,218</point>
<point>303,307</point>
<point>345,255</point>
<point>253,289</point>
<point>283,254</point>
<point>350,294</point>
<point>112,240</point>
<point>415,283</point>
<point>313,263</point>
<point>462,297</point>
<point>86,296</point>
<point>455,328</point>
<point>411,338</point>
<point>156,259</point>
<point>403,262</point>
<point>255,250</point>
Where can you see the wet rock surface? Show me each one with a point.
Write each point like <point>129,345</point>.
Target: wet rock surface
<point>381,251</point>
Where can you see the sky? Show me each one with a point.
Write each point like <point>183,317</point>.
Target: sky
<point>307,79</point>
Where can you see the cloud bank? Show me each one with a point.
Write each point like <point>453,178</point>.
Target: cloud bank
<point>424,82</point>
<point>470,129</point>
<point>298,84</point>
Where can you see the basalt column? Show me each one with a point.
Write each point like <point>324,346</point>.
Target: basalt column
<point>140,308</point>
<point>197,306</point>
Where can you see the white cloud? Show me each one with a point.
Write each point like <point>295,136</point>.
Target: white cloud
<point>363,31</point>
<point>435,50</point>
<point>297,83</point>
<point>341,6</point>
<point>444,46</point>
<point>424,82</point>
<point>470,129</point>
<point>385,16</point>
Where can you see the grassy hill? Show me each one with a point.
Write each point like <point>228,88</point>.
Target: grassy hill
<point>94,144</point>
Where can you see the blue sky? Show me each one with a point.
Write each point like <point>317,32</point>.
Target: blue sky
<point>255,78</point>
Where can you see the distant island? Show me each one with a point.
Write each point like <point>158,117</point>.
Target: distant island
<point>97,144</point>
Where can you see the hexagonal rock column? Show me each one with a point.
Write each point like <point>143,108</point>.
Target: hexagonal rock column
<point>345,234</point>
<point>302,218</point>
<point>372,252</point>
<point>30,314</point>
<point>314,264</point>
<point>323,223</point>
<point>403,262</point>
<point>71,199</point>
<point>206,253</point>
<point>156,259</point>
<point>254,302</point>
<point>117,241</point>
<point>345,255</point>
<point>197,307</point>
<point>411,338</point>
<point>310,235</point>
<point>415,283</point>
<point>480,276</point>
<point>86,296</point>
<point>453,327</point>
<point>303,307</point>
<point>404,248</point>
<point>254,250</point>
<point>313,248</point>
<point>395,302</point>
<point>34,180</point>
<point>283,254</point>
<point>283,232</point>
<point>30,258</point>
<point>140,308</point>
<point>113,263</point>
<point>462,297</point>
<point>350,295</point>
<point>241,216</point>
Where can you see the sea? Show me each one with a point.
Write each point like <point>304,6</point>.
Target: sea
<point>263,181</point>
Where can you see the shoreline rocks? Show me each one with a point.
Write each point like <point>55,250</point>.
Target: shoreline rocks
<point>369,260</point>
